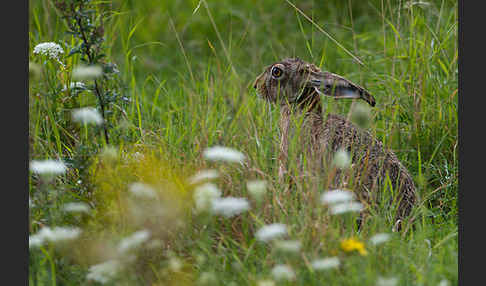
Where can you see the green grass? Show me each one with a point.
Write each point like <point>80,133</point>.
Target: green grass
<point>188,76</point>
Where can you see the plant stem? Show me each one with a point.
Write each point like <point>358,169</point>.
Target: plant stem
<point>87,46</point>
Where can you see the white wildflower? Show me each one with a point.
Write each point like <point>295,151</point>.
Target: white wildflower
<point>48,167</point>
<point>341,159</point>
<point>75,85</point>
<point>271,232</point>
<point>283,272</point>
<point>204,195</point>
<point>266,283</point>
<point>341,208</point>
<point>207,278</point>
<point>133,241</point>
<point>35,241</point>
<point>49,49</point>
<point>175,264</point>
<point>76,208</point>
<point>336,196</point>
<point>109,153</point>
<point>87,72</point>
<point>219,153</point>
<point>379,238</point>
<point>325,263</point>
<point>361,114</point>
<point>229,206</point>
<point>290,246</point>
<point>203,176</point>
<point>142,190</point>
<point>392,281</point>
<point>31,204</point>
<point>257,188</point>
<point>104,272</point>
<point>87,115</point>
<point>56,234</point>
<point>444,282</point>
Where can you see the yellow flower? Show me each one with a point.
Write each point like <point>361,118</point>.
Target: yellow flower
<point>351,244</point>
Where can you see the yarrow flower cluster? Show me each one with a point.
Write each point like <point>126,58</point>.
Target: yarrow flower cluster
<point>229,206</point>
<point>341,159</point>
<point>271,232</point>
<point>337,196</point>
<point>219,153</point>
<point>87,115</point>
<point>49,49</point>
<point>104,272</point>
<point>283,272</point>
<point>379,238</point>
<point>48,167</point>
<point>341,201</point>
<point>142,190</point>
<point>203,175</point>
<point>257,188</point>
<point>325,263</point>
<point>204,195</point>
<point>133,241</point>
<point>56,234</point>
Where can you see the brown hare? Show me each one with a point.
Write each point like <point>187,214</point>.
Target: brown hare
<point>297,87</point>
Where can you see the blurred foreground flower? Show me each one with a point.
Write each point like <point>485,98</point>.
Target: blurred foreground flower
<point>341,159</point>
<point>56,234</point>
<point>203,175</point>
<point>87,115</point>
<point>133,241</point>
<point>351,244</point>
<point>337,196</point>
<point>76,207</point>
<point>104,272</point>
<point>392,281</point>
<point>207,278</point>
<point>346,207</point>
<point>379,238</point>
<point>229,206</point>
<point>219,153</point>
<point>283,272</point>
<point>325,263</point>
<point>361,115</point>
<point>142,190</point>
<point>87,72</point>
<point>257,189</point>
<point>204,195</point>
<point>48,167</point>
<point>289,246</point>
<point>444,282</point>
<point>271,232</point>
<point>266,283</point>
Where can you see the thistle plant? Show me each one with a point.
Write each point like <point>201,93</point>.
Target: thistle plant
<point>85,21</point>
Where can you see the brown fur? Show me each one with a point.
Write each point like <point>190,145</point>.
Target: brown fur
<point>299,89</point>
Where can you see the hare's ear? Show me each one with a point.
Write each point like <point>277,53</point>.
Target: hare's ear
<point>330,84</point>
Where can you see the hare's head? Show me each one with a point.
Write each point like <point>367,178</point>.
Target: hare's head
<point>294,81</point>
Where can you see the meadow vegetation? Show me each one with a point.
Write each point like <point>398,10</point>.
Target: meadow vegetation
<point>135,193</point>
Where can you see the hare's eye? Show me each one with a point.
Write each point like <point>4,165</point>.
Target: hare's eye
<point>277,72</point>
